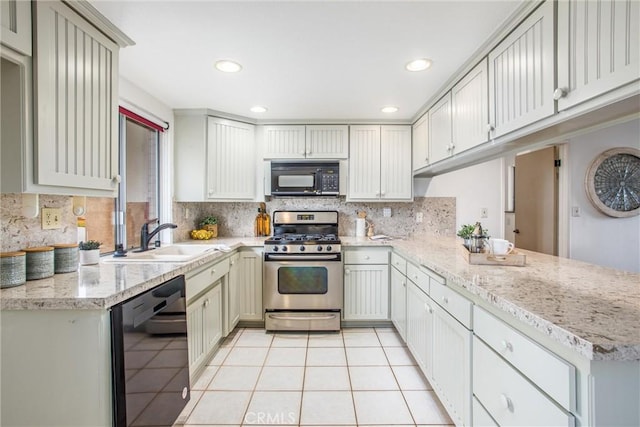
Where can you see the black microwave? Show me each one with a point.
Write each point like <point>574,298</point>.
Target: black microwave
<point>291,178</point>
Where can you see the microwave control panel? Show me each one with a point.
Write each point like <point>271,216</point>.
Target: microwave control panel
<point>330,182</point>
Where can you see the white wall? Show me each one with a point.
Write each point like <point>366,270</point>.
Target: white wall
<point>475,187</point>
<point>594,236</point>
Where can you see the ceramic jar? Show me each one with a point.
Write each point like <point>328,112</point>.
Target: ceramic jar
<point>12,269</point>
<point>65,257</point>
<point>39,262</point>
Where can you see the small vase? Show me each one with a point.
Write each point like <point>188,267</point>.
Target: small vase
<point>89,257</point>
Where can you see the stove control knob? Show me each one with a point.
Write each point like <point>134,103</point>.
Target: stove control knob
<point>329,248</point>
<point>284,249</point>
<point>275,249</point>
<point>301,248</point>
<point>319,248</point>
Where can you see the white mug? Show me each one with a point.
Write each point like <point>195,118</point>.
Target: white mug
<point>500,246</point>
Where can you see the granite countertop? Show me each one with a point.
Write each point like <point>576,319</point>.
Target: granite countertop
<point>591,309</point>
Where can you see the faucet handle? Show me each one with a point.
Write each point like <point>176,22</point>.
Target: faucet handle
<point>151,221</point>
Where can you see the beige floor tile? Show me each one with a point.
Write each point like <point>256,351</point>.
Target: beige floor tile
<point>220,355</point>
<point>274,408</point>
<point>235,378</point>
<point>332,356</point>
<point>254,339</point>
<point>294,339</point>
<point>426,408</point>
<point>286,356</point>
<point>220,407</point>
<point>399,356</point>
<point>366,356</point>
<point>358,330</point>
<point>372,378</point>
<point>193,400</point>
<point>326,378</point>
<point>381,407</point>
<point>410,378</point>
<point>322,339</point>
<point>246,356</point>
<point>386,329</point>
<point>363,339</point>
<point>279,378</point>
<point>388,339</point>
<point>205,378</point>
<point>327,407</point>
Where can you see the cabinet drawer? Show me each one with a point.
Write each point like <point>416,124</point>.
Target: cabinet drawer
<point>509,398</point>
<point>481,417</point>
<point>553,375</point>
<point>399,263</point>
<point>454,303</point>
<point>418,277</point>
<point>369,256</point>
<point>205,277</point>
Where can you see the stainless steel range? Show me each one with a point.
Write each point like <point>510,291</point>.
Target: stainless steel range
<point>303,283</point>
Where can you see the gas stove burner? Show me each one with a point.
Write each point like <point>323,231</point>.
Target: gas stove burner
<point>296,238</point>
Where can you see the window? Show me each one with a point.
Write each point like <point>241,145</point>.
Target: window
<point>119,221</point>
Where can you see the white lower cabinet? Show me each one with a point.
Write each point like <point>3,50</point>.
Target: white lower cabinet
<point>420,328</point>
<point>250,284</point>
<point>204,328</point>
<point>481,417</point>
<point>232,293</point>
<point>366,284</point>
<point>399,301</point>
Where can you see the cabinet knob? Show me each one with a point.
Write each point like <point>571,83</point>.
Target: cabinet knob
<point>213,271</point>
<point>366,257</point>
<point>347,272</point>
<point>490,127</point>
<point>116,179</point>
<point>383,193</point>
<point>506,345</point>
<point>428,308</point>
<point>232,262</point>
<point>426,160</point>
<point>445,300</point>
<point>559,93</point>
<point>506,402</point>
<point>206,302</point>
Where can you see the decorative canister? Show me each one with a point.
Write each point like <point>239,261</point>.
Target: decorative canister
<point>12,269</point>
<point>39,262</point>
<point>65,256</point>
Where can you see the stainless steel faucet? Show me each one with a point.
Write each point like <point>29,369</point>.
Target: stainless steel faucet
<point>145,236</point>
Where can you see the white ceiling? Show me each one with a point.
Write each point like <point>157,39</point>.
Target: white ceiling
<point>305,60</point>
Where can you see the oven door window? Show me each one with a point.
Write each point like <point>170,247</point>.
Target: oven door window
<point>302,280</point>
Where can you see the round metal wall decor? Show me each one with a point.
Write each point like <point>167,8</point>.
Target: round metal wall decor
<point>613,182</point>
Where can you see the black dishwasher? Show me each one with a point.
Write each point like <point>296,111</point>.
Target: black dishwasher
<point>150,362</point>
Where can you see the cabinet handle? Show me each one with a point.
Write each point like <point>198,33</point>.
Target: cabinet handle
<point>428,308</point>
<point>559,93</point>
<point>490,127</point>
<point>206,302</point>
<point>415,277</point>
<point>506,345</point>
<point>445,300</point>
<point>506,402</point>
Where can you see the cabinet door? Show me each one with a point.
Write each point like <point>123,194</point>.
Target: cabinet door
<point>233,293</point>
<point>15,23</point>
<point>366,292</point>
<point>212,318</point>
<point>195,334</point>
<point>470,109</point>
<point>420,328</point>
<point>230,160</point>
<point>76,82</point>
<point>440,131</point>
<point>399,302</point>
<point>284,142</point>
<point>250,289</point>
<point>452,365</point>
<point>364,163</point>
<point>327,142</point>
<point>521,73</point>
<point>421,143</point>
<point>396,179</point>
<point>598,48</point>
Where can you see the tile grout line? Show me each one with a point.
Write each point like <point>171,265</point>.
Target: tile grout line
<point>255,386</point>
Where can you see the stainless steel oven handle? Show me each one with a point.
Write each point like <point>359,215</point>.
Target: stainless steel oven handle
<point>282,317</point>
<point>302,257</point>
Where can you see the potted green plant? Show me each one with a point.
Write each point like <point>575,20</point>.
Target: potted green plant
<point>210,223</point>
<point>89,253</point>
<point>465,232</point>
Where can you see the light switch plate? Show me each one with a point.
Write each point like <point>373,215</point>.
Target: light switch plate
<point>51,218</point>
<point>386,212</point>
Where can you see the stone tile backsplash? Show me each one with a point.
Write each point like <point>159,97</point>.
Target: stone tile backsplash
<point>236,219</point>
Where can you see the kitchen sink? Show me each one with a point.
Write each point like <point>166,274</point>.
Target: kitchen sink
<point>173,253</point>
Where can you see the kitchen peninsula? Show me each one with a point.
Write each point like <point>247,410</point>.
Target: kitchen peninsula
<point>587,315</point>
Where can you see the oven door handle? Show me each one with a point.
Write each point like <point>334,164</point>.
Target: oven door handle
<point>285,317</point>
<point>335,257</point>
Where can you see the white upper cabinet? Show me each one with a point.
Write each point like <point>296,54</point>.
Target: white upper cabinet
<point>598,48</point>
<point>470,109</point>
<point>380,163</point>
<point>306,142</point>
<point>231,166</point>
<point>521,74</point>
<point>76,108</point>
<point>440,129</point>
<point>421,143</point>
<point>15,25</point>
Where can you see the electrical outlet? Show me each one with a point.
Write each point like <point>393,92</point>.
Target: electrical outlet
<point>419,217</point>
<point>386,212</point>
<point>51,218</point>
<point>484,213</point>
<point>575,211</point>
<point>187,213</point>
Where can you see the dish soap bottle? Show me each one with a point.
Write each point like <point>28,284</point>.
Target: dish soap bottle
<point>266,220</point>
<point>257,226</point>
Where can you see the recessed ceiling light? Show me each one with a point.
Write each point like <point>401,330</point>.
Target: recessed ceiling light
<point>228,66</point>
<point>259,109</point>
<point>418,64</point>
<point>389,109</point>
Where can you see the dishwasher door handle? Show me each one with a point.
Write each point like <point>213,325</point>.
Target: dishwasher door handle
<point>288,317</point>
